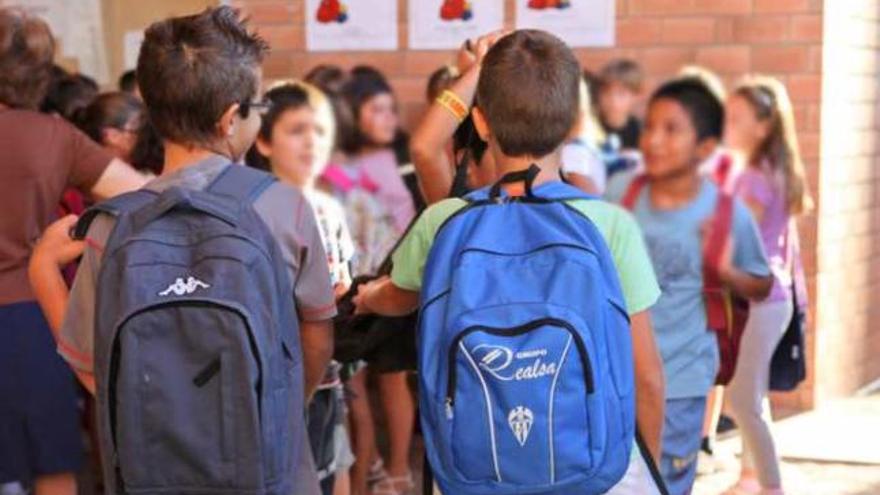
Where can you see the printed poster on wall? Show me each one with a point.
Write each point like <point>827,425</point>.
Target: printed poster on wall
<point>333,25</point>
<point>445,24</point>
<point>578,22</point>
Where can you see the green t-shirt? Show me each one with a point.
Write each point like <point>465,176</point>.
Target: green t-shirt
<point>617,226</point>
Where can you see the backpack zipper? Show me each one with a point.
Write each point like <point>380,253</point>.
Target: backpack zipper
<point>452,377</point>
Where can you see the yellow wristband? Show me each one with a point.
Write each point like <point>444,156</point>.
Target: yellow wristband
<point>450,101</point>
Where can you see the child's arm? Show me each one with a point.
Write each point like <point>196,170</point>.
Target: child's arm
<point>54,250</point>
<point>117,178</point>
<point>747,285</point>
<point>752,287</point>
<point>428,141</point>
<point>650,382</point>
<point>384,298</point>
<point>317,350</point>
<point>583,183</point>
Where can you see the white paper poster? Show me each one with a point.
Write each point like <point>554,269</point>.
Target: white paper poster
<point>131,48</point>
<point>444,24</point>
<point>333,25</point>
<point>578,22</point>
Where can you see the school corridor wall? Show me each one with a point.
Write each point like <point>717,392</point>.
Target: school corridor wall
<point>828,54</point>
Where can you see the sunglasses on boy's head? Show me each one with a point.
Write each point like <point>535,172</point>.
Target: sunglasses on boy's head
<point>244,108</point>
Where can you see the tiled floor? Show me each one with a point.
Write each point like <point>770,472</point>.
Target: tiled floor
<point>832,451</point>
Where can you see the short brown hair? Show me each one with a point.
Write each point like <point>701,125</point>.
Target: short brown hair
<point>623,71</point>
<point>192,68</point>
<point>529,92</point>
<point>26,52</point>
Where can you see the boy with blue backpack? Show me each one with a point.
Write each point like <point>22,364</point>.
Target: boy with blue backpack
<point>201,312</point>
<point>536,353</point>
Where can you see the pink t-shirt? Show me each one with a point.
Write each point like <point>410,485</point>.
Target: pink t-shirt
<point>381,169</point>
<point>761,186</point>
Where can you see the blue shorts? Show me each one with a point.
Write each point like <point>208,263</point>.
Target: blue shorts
<point>682,434</point>
<point>39,420</point>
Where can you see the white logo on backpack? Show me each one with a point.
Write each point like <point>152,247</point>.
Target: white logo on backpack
<point>520,420</point>
<point>506,365</point>
<point>180,288</point>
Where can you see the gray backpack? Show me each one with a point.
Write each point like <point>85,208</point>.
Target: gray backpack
<point>197,357</point>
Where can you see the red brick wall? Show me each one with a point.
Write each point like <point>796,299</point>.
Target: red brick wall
<point>783,38</point>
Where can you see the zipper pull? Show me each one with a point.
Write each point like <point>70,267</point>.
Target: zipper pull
<point>449,413</point>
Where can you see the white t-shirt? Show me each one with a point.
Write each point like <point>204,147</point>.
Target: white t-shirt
<point>579,158</point>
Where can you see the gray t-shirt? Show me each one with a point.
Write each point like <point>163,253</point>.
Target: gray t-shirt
<point>291,221</point>
<point>675,244</point>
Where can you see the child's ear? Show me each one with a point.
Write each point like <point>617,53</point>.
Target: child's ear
<point>263,147</point>
<point>480,124</point>
<point>706,147</point>
<point>226,124</point>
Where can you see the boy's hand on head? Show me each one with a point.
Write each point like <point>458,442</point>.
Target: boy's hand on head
<point>472,52</point>
<point>56,244</point>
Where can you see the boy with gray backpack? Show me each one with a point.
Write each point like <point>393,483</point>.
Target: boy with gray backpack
<point>537,359</point>
<point>201,312</point>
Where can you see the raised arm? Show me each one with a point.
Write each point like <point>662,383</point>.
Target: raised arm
<point>432,135</point>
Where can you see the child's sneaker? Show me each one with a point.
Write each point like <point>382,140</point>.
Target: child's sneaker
<point>707,462</point>
<point>395,485</point>
<point>744,486</point>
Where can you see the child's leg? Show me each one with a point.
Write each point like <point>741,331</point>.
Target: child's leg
<point>748,389</point>
<point>714,403</point>
<point>55,484</point>
<point>400,411</point>
<point>343,483</point>
<point>682,432</point>
<point>363,433</point>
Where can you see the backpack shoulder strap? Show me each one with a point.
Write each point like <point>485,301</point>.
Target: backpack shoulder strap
<point>631,196</point>
<point>118,205</point>
<point>713,249</point>
<point>244,184</point>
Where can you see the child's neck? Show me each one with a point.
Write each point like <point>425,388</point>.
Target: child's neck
<point>179,156</point>
<point>549,165</point>
<point>675,192</point>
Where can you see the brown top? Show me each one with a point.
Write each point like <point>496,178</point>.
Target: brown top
<point>40,156</point>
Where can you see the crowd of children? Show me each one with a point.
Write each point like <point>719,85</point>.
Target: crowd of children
<point>356,209</point>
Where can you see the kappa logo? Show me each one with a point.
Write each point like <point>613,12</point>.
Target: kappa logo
<point>181,287</point>
<point>502,363</point>
<point>520,420</point>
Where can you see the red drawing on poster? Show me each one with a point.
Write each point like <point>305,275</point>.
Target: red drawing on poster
<point>549,4</point>
<point>456,9</point>
<point>332,11</point>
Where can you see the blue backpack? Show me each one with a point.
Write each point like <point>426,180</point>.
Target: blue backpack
<point>197,357</point>
<point>525,353</point>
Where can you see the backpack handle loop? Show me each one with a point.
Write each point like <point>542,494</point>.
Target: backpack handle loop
<point>526,176</point>
<point>181,198</point>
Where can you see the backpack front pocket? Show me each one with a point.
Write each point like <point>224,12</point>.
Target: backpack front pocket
<point>183,397</point>
<point>514,398</point>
